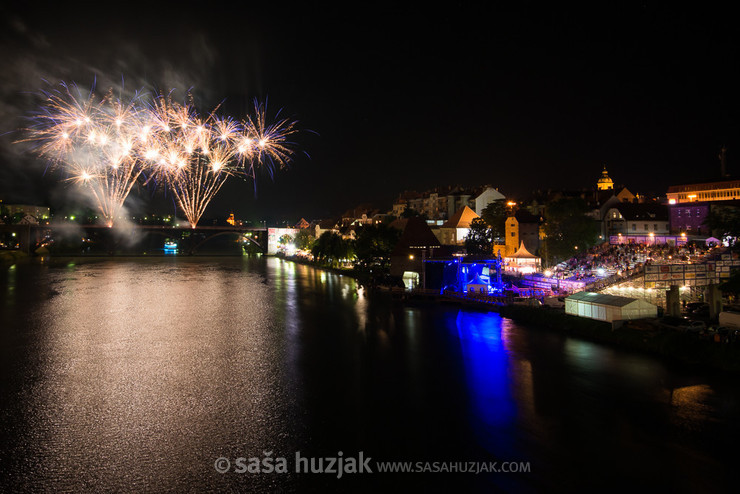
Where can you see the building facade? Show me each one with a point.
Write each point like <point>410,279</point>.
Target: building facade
<point>454,230</point>
<point>522,227</point>
<point>637,219</point>
<point>724,190</point>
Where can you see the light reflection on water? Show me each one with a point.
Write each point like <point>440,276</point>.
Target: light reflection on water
<point>114,369</point>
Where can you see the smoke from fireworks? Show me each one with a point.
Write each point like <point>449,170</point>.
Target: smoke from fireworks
<point>106,146</point>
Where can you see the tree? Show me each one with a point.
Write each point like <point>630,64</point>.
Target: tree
<point>331,249</point>
<point>303,239</point>
<point>374,245</point>
<point>495,215</point>
<point>568,230</point>
<point>479,240</point>
<point>724,222</point>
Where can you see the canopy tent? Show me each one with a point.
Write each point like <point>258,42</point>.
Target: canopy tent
<point>477,285</point>
<point>608,307</point>
<point>522,261</point>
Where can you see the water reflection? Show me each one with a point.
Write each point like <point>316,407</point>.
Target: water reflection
<point>114,368</point>
<point>487,374</point>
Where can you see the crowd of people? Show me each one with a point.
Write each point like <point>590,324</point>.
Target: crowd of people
<point>624,260</point>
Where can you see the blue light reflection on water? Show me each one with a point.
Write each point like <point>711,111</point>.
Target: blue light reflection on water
<point>487,374</point>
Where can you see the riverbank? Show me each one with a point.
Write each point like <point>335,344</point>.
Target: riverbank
<point>645,337</point>
<point>649,337</point>
<point>361,277</point>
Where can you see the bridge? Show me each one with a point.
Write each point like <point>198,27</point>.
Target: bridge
<point>30,236</point>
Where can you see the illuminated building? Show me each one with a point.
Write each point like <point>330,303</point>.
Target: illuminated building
<point>416,244</point>
<point>360,215</point>
<point>324,226</point>
<point>690,204</point>
<point>725,190</point>
<point>689,218</point>
<point>604,182</point>
<point>636,219</point>
<point>454,230</point>
<point>522,227</point>
<point>273,238</point>
<point>441,203</point>
<point>302,224</point>
<point>38,212</point>
<point>485,196</point>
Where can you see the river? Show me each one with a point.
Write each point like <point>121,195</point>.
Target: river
<point>139,374</point>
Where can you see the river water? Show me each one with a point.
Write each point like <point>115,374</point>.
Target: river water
<point>136,375</point>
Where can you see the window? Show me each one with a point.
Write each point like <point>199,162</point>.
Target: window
<point>634,227</point>
<point>655,227</point>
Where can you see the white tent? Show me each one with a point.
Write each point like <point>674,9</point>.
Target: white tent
<point>608,307</point>
<point>522,261</point>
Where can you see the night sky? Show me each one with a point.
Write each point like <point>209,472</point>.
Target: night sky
<point>391,99</point>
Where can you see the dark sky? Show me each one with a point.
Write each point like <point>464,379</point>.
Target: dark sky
<point>519,97</point>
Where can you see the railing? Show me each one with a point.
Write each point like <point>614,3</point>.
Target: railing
<point>479,297</point>
<point>614,279</point>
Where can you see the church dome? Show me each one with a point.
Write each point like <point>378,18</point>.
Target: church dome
<point>604,183</point>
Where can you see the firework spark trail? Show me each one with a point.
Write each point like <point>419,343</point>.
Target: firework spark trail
<point>267,143</point>
<point>194,156</point>
<point>106,147</point>
<point>93,142</point>
<point>191,157</point>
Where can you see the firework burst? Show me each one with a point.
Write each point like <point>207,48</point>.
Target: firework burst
<point>106,146</point>
<point>265,144</point>
<point>190,156</point>
<point>94,142</point>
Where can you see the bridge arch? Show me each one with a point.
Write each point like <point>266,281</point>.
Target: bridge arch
<point>194,248</point>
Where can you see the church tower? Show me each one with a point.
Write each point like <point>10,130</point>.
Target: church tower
<point>604,183</point>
